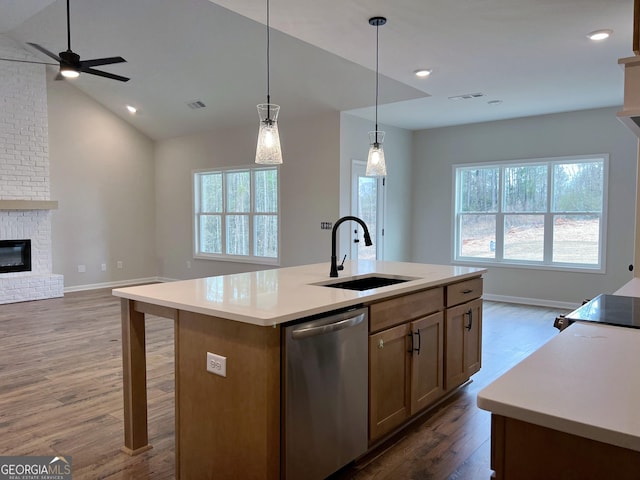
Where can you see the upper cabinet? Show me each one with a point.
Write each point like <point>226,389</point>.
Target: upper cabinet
<point>630,114</point>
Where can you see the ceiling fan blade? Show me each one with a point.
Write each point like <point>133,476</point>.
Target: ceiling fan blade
<point>26,61</point>
<point>101,61</point>
<point>45,51</point>
<point>100,73</point>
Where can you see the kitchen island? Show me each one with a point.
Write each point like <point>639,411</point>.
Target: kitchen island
<point>232,423</point>
<point>570,410</point>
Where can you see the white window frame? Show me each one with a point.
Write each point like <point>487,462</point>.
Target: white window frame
<point>225,257</point>
<point>547,263</point>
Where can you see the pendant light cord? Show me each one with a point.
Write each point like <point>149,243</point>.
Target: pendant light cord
<point>268,86</point>
<point>377,74</point>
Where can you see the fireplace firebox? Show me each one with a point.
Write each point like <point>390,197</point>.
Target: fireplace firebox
<point>15,256</point>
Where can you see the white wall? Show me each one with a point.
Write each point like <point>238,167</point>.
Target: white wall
<point>102,174</point>
<point>309,191</point>
<point>354,145</point>
<point>573,133</point>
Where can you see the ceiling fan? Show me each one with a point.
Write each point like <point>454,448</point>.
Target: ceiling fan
<point>70,64</point>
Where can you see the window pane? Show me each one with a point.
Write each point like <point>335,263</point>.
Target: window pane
<point>266,236</point>
<point>266,191</point>
<point>478,190</point>
<point>211,193</point>
<point>367,211</point>
<point>210,234</point>
<point>525,189</point>
<point>238,191</point>
<point>237,234</point>
<point>576,239</point>
<point>524,237</point>
<point>477,236</point>
<point>578,187</point>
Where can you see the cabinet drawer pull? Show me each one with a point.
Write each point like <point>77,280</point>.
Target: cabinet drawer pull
<point>470,313</point>
<point>419,342</point>
<point>467,291</point>
<point>381,344</point>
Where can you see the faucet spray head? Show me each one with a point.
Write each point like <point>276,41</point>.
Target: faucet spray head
<point>367,239</point>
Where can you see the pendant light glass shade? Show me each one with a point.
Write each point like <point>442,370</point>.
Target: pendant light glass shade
<point>268,149</point>
<point>376,166</point>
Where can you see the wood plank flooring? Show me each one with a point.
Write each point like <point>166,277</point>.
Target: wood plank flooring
<point>61,393</point>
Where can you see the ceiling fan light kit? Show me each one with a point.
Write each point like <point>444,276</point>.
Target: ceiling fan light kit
<point>268,149</point>
<point>68,64</point>
<point>376,166</point>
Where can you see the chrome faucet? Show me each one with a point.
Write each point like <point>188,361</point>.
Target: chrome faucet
<point>334,259</point>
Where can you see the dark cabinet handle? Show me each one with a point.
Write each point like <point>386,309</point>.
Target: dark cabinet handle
<point>467,291</point>
<point>413,347</point>
<point>470,313</point>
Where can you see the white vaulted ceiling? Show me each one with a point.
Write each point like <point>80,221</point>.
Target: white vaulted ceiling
<point>533,55</point>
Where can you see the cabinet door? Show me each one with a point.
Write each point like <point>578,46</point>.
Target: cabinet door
<point>427,361</point>
<point>473,338</point>
<point>463,342</point>
<point>389,398</point>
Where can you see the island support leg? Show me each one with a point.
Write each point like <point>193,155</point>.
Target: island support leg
<point>134,380</point>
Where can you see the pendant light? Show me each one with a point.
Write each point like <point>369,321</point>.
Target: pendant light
<point>268,148</point>
<point>376,166</point>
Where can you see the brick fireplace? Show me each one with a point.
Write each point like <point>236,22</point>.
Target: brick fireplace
<point>25,206</point>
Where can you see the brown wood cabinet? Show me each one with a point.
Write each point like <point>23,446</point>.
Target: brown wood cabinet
<point>405,372</point>
<point>405,361</point>
<point>421,346</point>
<point>427,361</point>
<point>525,451</point>
<point>463,343</point>
<point>389,370</point>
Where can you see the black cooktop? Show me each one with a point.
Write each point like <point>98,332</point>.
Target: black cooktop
<point>609,309</point>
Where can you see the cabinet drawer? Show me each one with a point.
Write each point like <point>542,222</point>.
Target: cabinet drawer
<point>403,309</point>
<point>464,291</point>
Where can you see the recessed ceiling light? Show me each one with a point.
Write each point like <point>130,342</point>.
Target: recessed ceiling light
<point>132,109</point>
<point>600,34</point>
<point>423,72</point>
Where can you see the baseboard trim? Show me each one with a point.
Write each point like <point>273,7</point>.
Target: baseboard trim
<point>537,302</point>
<point>120,283</point>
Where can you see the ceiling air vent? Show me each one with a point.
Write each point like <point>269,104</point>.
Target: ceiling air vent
<point>196,104</point>
<point>467,96</point>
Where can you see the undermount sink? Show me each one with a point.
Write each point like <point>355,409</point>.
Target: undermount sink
<point>367,283</point>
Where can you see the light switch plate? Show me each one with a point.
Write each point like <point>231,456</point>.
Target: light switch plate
<point>217,364</point>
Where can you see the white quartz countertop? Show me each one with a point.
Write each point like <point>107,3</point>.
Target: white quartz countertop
<point>584,382</point>
<point>630,289</point>
<point>271,297</point>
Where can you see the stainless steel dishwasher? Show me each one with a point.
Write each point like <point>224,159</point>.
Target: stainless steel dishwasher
<point>325,397</point>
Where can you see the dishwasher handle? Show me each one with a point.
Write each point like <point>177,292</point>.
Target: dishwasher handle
<point>312,331</point>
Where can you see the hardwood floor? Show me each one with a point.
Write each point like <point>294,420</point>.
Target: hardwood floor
<point>61,393</point>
